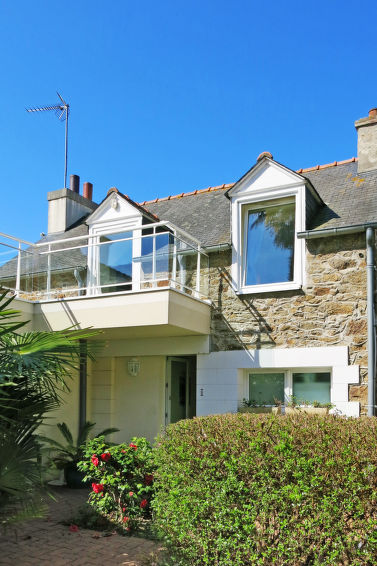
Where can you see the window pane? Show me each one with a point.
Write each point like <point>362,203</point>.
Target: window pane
<point>116,262</point>
<point>266,388</point>
<point>311,387</point>
<point>270,244</point>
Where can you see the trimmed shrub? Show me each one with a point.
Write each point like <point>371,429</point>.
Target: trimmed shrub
<point>255,489</point>
<point>121,478</point>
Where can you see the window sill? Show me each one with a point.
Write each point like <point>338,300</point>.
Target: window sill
<point>269,288</point>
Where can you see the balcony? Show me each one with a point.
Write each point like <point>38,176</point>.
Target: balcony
<point>153,277</point>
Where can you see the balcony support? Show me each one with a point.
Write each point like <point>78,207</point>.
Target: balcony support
<point>18,274</point>
<point>83,385</point>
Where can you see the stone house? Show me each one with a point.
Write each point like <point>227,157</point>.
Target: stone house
<point>260,290</point>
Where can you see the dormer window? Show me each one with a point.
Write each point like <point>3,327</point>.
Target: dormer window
<point>270,205</point>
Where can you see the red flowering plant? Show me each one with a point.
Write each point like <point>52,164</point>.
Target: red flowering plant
<point>121,477</point>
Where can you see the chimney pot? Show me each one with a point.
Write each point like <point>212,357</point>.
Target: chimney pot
<point>74,183</point>
<point>373,113</point>
<point>88,191</point>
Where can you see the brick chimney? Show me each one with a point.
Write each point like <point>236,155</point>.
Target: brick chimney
<point>66,206</point>
<point>367,142</point>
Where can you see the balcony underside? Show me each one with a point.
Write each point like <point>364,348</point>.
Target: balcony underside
<point>164,312</point>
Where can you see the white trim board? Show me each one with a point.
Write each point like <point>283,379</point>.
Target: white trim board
<point>220,375</point>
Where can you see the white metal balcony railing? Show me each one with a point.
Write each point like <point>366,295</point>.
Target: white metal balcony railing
<point>148,257</point>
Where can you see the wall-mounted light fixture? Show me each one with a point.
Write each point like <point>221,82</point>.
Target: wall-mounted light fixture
<point>133,367</point>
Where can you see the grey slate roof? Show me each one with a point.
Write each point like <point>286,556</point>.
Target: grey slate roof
<point>349,198</point>
<point>206,216</point>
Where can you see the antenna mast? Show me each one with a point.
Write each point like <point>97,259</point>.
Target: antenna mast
<point>62,112</point>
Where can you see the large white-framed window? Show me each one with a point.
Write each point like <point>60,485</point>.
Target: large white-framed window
<point>267,255</point>
<point>267,387</point>
<point>111,256</point>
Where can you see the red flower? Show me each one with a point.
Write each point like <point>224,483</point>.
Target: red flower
<point>148,478</point>
<point>95,460</point>
<point>123,451</point>
<point>123,509</point>
<point>133,446</point>
<point>128,529</point>
<point>73,528</point>
<point>131,493</point>
<point>144,503</point>
<point>97,487</point>
<point>126,519</point>
<point>106,456</point>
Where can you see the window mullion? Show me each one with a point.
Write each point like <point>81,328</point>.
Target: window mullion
<point>288,389</point>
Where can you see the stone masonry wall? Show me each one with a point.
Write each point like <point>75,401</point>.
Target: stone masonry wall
<point>329,311</point>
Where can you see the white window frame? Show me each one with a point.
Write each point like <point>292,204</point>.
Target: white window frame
<point>288,379</point>
<point>240,207</point>
<point>132,225</point>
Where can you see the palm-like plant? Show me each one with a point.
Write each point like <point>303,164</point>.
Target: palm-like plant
<point>34,370</point>
<point>71,452</point>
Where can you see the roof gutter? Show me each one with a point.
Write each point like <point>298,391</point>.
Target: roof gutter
<point>369,228</point>
<point>357,228</point>
<point>217,248</point>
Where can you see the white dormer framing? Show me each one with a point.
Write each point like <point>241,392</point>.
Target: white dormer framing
<point>266,182</point>
<point>114,214</point>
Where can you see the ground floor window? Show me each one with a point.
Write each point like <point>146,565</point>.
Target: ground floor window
<point>303,386</point>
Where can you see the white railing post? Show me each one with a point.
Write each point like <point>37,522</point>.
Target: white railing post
<point>48,283</point>
<point>198,272</point>
<point>154,284</point>
<point>174,274</point>
<point>18,274</point>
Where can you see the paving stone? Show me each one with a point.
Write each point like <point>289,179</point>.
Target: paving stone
<point>43,542</point>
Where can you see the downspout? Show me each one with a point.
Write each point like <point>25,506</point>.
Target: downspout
<point>370,241</point>
<point>370,316</point>
<point>83,384</point>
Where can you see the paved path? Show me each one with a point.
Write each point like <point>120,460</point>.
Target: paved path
<point>46,542</point>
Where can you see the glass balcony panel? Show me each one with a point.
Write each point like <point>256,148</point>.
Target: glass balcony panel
<point>128,261</point>
<point>204,276</point>
<point>186,270</point>
<point>156,260</point>
<point>8,267</point>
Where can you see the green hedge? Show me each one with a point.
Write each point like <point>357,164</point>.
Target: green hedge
<point>271,490</point>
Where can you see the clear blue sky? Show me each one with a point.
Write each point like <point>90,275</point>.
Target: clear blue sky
<point>173,96</point>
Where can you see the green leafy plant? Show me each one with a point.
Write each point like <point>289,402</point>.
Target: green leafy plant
<point>122,478</point>
<point>254,403</point>
<point>34,370</point>
<point>319,405</point>
<point>71,452</point>
<point>254,489</point>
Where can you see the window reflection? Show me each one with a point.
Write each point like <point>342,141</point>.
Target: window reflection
<point>270,244</point>
<point>116,262</point>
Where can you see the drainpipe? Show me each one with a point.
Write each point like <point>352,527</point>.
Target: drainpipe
<point>370,315</point>
<point>82,386</point>
<point>369,229</point>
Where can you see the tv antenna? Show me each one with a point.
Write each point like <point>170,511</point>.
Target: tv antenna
<point>62,112</point>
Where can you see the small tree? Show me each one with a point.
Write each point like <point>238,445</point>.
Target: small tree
<point>34,367</point>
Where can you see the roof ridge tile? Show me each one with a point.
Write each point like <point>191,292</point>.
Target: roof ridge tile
<point>230,185</point>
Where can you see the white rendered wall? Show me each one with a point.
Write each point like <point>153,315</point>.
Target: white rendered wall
<point>221,375</point>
